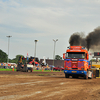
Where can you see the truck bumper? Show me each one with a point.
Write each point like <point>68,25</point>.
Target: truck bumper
<point>77,72</point>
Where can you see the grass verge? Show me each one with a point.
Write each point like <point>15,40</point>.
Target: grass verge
<point>2,69</point>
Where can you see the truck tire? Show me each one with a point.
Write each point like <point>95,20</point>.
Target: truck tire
<point>31,69</point>
<point>66,75</point>
<point>86,76</point>
<point>18,68</point>
<point>25,69</point>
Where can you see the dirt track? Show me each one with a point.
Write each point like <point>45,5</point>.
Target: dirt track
<point>54,86</point>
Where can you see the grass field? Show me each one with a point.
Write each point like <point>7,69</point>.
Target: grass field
<point>2,69</point>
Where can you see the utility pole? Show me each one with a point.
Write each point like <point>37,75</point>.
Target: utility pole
<point>8,47</point>
<point>54,50</point>
<point>35,51</point>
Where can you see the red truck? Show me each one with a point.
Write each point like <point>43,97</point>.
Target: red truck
<point>76,62</point>
<point>58,68</point>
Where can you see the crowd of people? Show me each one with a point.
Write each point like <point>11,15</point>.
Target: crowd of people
<point>8,65</point>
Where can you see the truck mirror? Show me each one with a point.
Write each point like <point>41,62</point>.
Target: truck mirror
<point>87,56</point>
<point>64,55</point>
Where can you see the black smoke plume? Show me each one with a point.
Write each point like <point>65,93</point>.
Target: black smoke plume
<point>91,41</point>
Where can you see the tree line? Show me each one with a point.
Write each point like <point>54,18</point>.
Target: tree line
<point>4,57</point>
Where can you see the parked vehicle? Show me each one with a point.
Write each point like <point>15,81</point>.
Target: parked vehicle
<point>28,66</point>
<point>58,68</point>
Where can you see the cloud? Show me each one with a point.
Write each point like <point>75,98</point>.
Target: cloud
<point>27,20</point>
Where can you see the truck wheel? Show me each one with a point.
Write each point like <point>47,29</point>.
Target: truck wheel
<point>31,69</point>
<point>28,70</point>
<point>86,76</point>
<point>66,76</point>
<point>25,68</point>
<point>18,68</point>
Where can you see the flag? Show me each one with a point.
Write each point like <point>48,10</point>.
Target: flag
<point>27,56</point>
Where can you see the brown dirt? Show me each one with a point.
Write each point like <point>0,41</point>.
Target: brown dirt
<point>48,86</point>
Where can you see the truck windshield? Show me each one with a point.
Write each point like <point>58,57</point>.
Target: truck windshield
<point>75,55</point>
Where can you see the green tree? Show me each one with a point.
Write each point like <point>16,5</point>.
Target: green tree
<point>57,57</point>
<point>15,60</point>
<point>3,56</point>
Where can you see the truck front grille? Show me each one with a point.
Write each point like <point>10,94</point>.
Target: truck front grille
<point>80,64</point>
<point>68,64</point>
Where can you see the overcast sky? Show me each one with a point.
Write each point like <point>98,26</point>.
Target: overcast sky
<point>44,20</point>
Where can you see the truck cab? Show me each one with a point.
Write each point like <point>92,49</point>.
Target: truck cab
<point>76,62</point>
